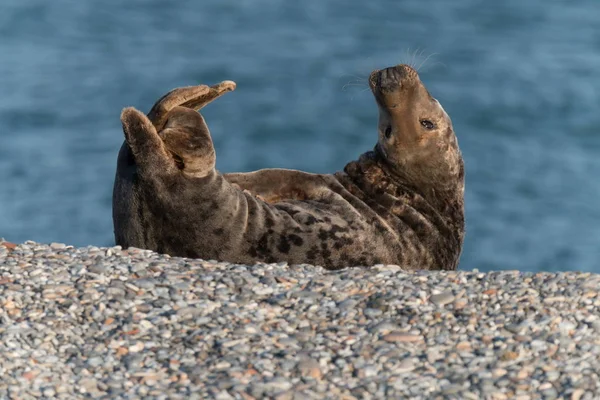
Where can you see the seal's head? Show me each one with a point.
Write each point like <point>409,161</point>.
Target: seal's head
<point>416,137</point>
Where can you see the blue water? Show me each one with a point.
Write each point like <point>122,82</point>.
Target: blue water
<point>520,79</point>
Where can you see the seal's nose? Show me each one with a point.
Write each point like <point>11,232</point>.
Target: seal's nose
<point>396,73</point>
<point>391,78</point>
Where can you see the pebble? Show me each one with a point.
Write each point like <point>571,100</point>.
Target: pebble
<point>310,368</point>
<point>139,346</point>
<point>499,372</point>
<point>113,323</point>
<point>372,312</point>
<point>405,366</point>
<point>401,337</point>
<point>451,389</point>
<point>383,327</point>
<point>95,361</point>
<point>443,298</point>
<point>577,394</point>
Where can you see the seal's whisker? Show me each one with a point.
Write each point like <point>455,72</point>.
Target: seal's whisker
<point>406,57</point>
<point>355,84</point>
<point>347,85</point>
<point>357,81</point>
<point>438,62</point>
<point>425,60</point>
<point>417,53</point>
<point>358,78</point>
<point>419,57</point>
<point>361,92</point>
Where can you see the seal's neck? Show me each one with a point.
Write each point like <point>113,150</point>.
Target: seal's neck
<point>372,170</point>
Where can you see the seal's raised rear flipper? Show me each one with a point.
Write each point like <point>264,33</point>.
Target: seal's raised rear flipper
<point>194,97</point>
<point>174,133</point>
<point>187,137</point>
<point>147,147</point>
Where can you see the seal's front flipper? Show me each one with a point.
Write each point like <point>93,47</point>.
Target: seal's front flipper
<point>192,97</point>
<point>187,137</point>
<point>274,185</point>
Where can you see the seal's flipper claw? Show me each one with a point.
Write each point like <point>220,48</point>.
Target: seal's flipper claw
<point>194,97</point>
<point>144,142</point>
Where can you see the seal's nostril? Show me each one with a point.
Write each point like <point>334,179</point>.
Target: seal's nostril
<point>389,79</point>
<point>399,72</point>
<point>384,74</point>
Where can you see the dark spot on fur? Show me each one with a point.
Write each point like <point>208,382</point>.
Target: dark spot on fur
<point>311,254</point>
<point>262,246</point>
<point>335,229</point>
<point>338,245</point>
<point>325,253</point>
<point>295,239</point>
<point>269,223</point>
<point>252,251</point>
<point>219,231</point>
<point>323,234</point>
<point>292,211</point>
<point>380,228</point>
<point>331,233</point>
<point>310,220</point>
<point>284,245</point>
<point>323,245</point>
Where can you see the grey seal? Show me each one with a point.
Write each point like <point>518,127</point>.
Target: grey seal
<point>400,203</point>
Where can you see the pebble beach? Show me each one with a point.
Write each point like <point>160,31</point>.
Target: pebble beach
<point>95,322</point>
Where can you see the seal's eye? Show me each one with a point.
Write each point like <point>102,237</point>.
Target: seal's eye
<point>427,124</point>
<point>388,132</point>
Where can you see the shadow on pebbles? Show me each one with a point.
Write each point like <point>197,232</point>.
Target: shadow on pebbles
<point>105,322</point>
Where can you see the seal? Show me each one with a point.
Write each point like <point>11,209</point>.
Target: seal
<point>400,203</point>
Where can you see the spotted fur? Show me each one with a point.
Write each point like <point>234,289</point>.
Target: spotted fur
<point>401,203</point>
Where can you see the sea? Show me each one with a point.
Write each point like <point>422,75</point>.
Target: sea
<point>520,80</point>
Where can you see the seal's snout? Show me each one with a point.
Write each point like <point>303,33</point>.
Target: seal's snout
<point>394,74</point>
<point>391,78</point>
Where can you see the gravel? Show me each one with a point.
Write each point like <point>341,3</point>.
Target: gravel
<point>106,322</point>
